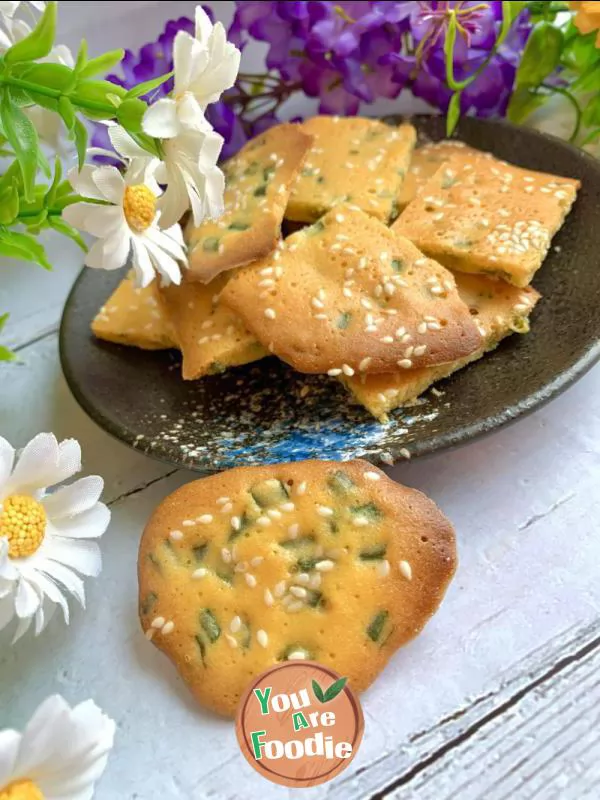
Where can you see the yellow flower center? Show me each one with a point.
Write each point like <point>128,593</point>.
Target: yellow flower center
<point>139,205</point>
<point>23,522</point>
<point>21,790</point>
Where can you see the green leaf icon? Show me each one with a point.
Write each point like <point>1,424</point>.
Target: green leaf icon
<point>335,689</point>
<point>331,693</point>
<point>318,692</point>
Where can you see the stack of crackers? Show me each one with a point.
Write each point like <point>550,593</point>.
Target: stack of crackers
<point>404,265</point>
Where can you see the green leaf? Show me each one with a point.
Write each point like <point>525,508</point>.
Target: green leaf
<point>67,112</point>
<point>39,42</point>
<point>453,114</point>
<point>67,230</point>
<point>101,64</point>
<point>24,247</point>
<point>50,195</point>
<point>318,692</point>
<point>523,102</point>
<point>80,137</point>
<point>12,175</point>
<point>514,8</point>
<point>90,93</point>
<point>23,139</point>
<point>591,113</point>
<point>3,321</point>
<point>43,164</point>
<point>541,55</point>
<point>449,43</point>
<point>130,114</point>
<point>335,689</point>
<point>51,76</point>
<point>9,204</point>
<point>21,97</point>
<point>147,142</point>
<point>148,86</point>
<point>6,354</point>
<point>82,58</point>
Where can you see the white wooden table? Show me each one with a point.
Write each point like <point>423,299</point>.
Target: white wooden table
<point>498,698</point>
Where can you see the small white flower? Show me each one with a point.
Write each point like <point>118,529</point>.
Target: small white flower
<point>61,754</point>
<point>204,67</point>
<point>16,29</point>
<point>127,226</point>
<point>45,537</point>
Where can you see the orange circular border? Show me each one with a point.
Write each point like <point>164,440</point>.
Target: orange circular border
<point>267,772</point>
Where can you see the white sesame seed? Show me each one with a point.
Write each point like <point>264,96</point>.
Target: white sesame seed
<point>334,372</point>
<point>158,622</point>
<point>205,519</point>
<point>325,566</point>
<point>274,513</point>
<point>241,566</point>
<point>520,307</point>
<point>406,338</point>
<point>320,316</point>
<point>303,578</point>
<point>199,573</point>
<point>287,507</point>
<point>420,262</point>
<point>316,303</point>
<point>296,655</point>
<point>325,511</point>
<point>268,597</point>
<point>295,606</point>
<point>347,370</point>
<point>231,640</point>
<point>262,638</point>
<point>227,508</point>
<point>315,580</point>
<point>372,476</point>
<point>339,217</point>
<point>279,589</point>
<point>364,364</point>
<point>270,313</point>
<point>225,555</point>
<point>250,580</point>
<point>346,292</point>
<point>221,501</point>
<point>208,323</point>
<point>360,522</point>
<point>236,523</point>
<point>235,624</point>
<point>383,568</point>
<point>365,303</point>
<point>299,591</point>
<point>257,560</point>
<point>409,351</point>
<point>405,570</point>
<point>293,530</point>
<point>176,536</point>
<point>400,332</point>
<point>263,521</point>
<point>405,363</point>
<point>301,488</point>
<point>267,271</point>
<point>420,349</point>
<point>168,628</point>
<point>422,327</point>
<point>387,340</point>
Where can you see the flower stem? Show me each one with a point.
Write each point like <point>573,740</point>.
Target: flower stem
<point>90,105</point>
<point>573,101</point>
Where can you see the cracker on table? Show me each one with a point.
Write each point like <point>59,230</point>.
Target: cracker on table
<point>312,560</point>
<point>481,215</point>
<point>353,159</point>
<point>258,181</point>
<point>498,308</point>
<point>133,316</point>
<point>426,160</point>
<point>348,295</point>
<point>211,337</point>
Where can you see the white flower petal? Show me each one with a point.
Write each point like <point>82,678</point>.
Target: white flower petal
<point>8,571</point>
<point>110,183</point>
<point>63,575</point>
<point>90,524</point>
<point>142,263</point>
<point>168,241</point>
<point>79,554</point>
<point>124,144</point>
<point>48,609</point>
<point>203,24</point>
<point>163,263</point>
<point>22,627</point>
<point>40,620</point>
<point>77,214</point>
<point>48,588</point>
<point>7,612</point>
<point>60,54</point>
<point>43,739</point>
<point>111,253</point>
<point>8,7</point>
<point>9,750</point>
<point>37,465</point>
<point>103,221</point>
<point>187,53</point>
<point>7,457</point>
<point>190,113</point>
<point>161,120</point>
<point>83,182</point>
<point>27,600</point>
<point>69,460</point>
<point>71,500</point>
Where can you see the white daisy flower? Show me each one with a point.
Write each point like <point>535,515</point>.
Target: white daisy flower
<point>126,224</point>
<point>45,537</point>
<point>61,754</point>
<point>204,67</point>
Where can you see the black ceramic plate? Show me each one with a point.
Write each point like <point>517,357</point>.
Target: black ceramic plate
<point>267,413</point>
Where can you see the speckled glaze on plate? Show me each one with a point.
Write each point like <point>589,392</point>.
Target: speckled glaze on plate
<point>265,412</point>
